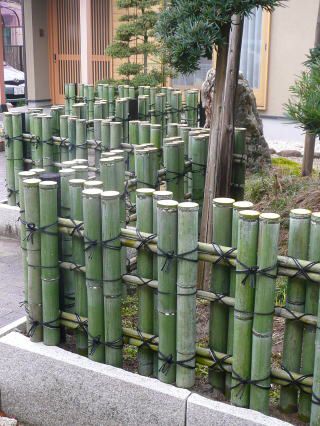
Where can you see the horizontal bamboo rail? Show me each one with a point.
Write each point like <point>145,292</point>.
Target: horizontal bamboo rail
<point>203,355</point>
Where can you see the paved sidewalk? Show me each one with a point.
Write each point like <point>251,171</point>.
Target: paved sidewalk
<point>11,281</point>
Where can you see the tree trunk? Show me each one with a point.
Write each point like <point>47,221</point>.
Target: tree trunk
<point>219,165</point>
<point>310,139</point>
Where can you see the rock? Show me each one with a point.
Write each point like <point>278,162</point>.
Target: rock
<point>272,151</point>
<point>317,155</point>
<point>5,421</point>
<point>247,115</point>
<point>290,153</point>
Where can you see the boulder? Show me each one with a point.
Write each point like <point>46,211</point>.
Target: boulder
<point>247,115</point>
<point>290,153</point>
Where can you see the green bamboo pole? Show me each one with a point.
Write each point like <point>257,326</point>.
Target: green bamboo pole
<point>105,109</point>
<point>81,139</point>
<point>9,148</point>
<point>37,143</point>
<point>97,138</point>
<point>122,113</point>
<point>67,282</point>
<point>72,95</point>
<point>220,282</point>
<point>120,91</point>
<point>72,135</point>
<point>144,205</point>
<point>239,168</point>
<point>173,156</point>
<point>100,90</point>
<point>64,133</point>
<point>132,92</point>
<point>80,171</point>
<point>66,98</point>
<point>146,161</point>
<point>78,256</point>
<point>23,242</point>
<point>172,130</point>
<point>80,110</point>
<point>90,101</point>
<point>269,228</point>
<point>47,143</point>
<point>292,344</point>
<point>93,184</point>
<point>315,407</point>
<point>167,288</point>
<point>111,96</point>
<point>311,307</point>
<point>186,293</point>
<point>116,134</point>
<point>176,105</point>
<point>192,107</point>
<point>105,135</point>
<point>17,150</point>
<point>199,153</point>
<point>93,262</point>
<point>143,107</point>
<point>32,216</point>
<point>133,140</point>
<point>157,196</point>
<point>105,92</point>
<point>244,305</point>
<point>155,135</point>
<point>80,90</point>
<point>112,281</point>
<point>160,107</point>
<point>50,262</point>
<point>144,132</point>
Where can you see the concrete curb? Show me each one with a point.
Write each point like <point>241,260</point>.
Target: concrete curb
<point>36,381</point>
<point>9,224</point>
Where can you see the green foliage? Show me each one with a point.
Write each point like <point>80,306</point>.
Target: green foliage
<point>190,28</point>
<point>135,37</point>
<point>286,166</point>
<point>304,106</point>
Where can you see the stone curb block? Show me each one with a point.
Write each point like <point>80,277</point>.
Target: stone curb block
<point>49,386</point>
<point>9,224</point>
<point>44,385</point>
<point>206,412</point>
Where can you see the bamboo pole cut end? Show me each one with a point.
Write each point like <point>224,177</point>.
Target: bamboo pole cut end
<point>80,167</point>
<point>249,214</point>
<point>92,193</point>
<point>167,204</point>
<point>156,126</point>
<point>111,160</point>
<point>27,174</point>
<point>77,182</point>
<point>66,172</point>
<point>315,217</point>
<point>143,192</point>
<point>31,183</point>
<point>240,129</point>
<point>110,195</point>
<point>188,206</point>
<point>270,217</point>
<point>68,164</point>
<point>48,184</point>
<point>93,184</point>
<point>223,202</point>
<point>37,171</point>
<point>161,195</point>
<point>242,205</point>
<point>300,213</point>
<point>81,162</point>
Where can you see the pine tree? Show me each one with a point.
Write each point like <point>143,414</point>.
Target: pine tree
<point>134,40</point>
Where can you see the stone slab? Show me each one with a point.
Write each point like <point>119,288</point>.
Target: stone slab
<point>206,412</point>
<point>49,386</point>
<point>9,224</point>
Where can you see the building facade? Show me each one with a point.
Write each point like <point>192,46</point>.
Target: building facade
<point>65,41</point>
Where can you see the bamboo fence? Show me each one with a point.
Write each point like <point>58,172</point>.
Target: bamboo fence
<point>245,266</point>
<point>87,129</point>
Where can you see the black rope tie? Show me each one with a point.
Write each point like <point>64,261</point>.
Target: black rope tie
<point>106,243</point>
<point>223,256</point>
<point>303,270</point>
<point>184,363</point>
<point>144,282</point>
<point>35,324</point>
<point>217,362</point>
<point>202,168</point>
<point>90,245</point>
<point>146,342</point>
<point>295,316</point>
<point>144,241</point>
<point>293,381</point>
<point>82,325</point>
<point>95,342</point>
<point>32,228</point>
<point>168,362</point>
<point>76,228</point>
<point>250,272</point>
<point>315,399</point>
<point>243,382</point>
<point>169,257</point>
